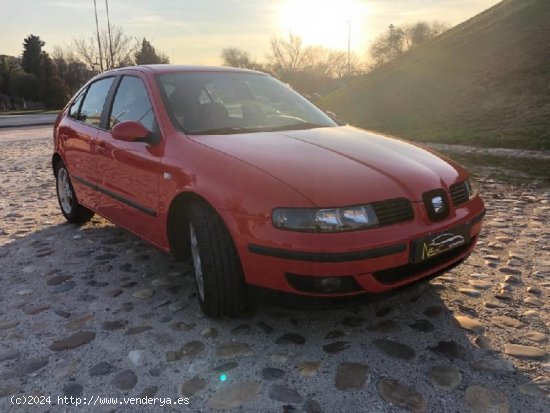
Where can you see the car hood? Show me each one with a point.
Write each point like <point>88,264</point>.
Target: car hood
<point>340,165</point>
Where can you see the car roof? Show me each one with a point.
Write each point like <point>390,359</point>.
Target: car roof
<point>166,68</point>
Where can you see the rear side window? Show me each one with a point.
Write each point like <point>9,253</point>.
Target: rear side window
<point>132,103</point>
<point>92,107</point>
<point>73,112</point>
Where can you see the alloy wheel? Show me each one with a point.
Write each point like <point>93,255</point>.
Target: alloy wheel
<point>64,191</point>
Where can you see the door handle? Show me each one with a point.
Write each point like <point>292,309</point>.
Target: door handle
<point>101,148</point>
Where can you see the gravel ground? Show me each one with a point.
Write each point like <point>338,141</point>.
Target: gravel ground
<point>93,311</point>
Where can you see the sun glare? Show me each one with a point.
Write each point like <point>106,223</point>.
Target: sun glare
<point>324,22</point>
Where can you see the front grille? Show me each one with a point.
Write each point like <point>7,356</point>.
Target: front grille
<point>459,193</point>
<point>312,284</point>
<point>393,211</point>
<point>393,275</point>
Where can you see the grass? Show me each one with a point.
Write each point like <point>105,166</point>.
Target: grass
<point>483,83</point>
<point>505,169</point>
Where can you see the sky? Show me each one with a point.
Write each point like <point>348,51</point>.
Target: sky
<point>196,31</point>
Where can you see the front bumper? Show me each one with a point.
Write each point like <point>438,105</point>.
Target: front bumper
<point>370,261</point>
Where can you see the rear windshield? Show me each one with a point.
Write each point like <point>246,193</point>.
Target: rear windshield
<point>230,102</point>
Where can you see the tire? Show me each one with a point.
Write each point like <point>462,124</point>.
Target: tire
<point>66,196</point>
<point>217,268</point>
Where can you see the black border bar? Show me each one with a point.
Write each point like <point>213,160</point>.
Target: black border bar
<point>479,218</point>
<point>141,208</point>
<point>326,256</point>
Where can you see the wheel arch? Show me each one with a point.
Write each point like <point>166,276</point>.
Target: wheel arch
<point>176,222</point>
<point>56,158</point>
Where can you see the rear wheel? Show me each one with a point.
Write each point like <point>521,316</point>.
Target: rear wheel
<point>71,209</point>
<point>217,268</point>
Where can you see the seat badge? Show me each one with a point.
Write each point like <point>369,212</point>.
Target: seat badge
<point>437,204</point>
<point>167,176</point>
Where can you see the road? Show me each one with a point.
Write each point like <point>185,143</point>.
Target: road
<point>9,121</point>
<point>93,311</point>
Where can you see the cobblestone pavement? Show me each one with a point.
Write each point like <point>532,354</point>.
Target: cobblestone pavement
<point>93,311</point>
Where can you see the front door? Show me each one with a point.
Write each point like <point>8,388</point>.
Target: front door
<point>130,171</point>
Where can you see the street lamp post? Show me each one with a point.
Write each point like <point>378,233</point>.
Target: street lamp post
<point>110,37</point>
<point>349,47</point>
<point>98,38</point>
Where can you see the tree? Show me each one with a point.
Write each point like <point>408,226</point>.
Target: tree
<point>286,55</point>
<point>234,57</point>
<point>69,68</point>
<point>148,55</point>
<point>53,91</point>
<point>397,40</point>
<point>291,56</point>
<point>388,45</point>
<point>330,63</point>
<point>9,68</point>
<point>124,48</point>
<point>421,32</point>
<point>26,86</point>
<point>32,51</point>
<point>309,69</point>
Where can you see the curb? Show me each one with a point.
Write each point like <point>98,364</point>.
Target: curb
<point>26,125</point>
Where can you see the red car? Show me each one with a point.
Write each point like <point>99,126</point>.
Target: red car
<point>258,186</point>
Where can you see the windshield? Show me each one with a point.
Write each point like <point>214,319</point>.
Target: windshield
<point>232,102</point>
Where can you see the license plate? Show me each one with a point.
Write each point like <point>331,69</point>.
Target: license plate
<point>436,244</point>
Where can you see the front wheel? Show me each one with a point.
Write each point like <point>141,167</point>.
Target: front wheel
<point>66,196</point>
<point>218,274</point>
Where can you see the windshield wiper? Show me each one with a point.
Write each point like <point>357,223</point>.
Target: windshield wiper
<point>297,126</point>
<point>235,130</point>
<point>221,131</point>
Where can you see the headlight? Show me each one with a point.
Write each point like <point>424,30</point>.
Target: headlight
<point>325,219</point>
<point>473,187</point>
<point>294,218</point>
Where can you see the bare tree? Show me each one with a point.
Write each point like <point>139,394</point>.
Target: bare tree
<point>286,55</point>
<point>235,57</point>
<point>70,68</point>
<point>290,56</point>
<point>124,47</point>
<point>338,64</point>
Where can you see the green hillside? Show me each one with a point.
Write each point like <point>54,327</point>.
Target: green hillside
<point>485,82</point>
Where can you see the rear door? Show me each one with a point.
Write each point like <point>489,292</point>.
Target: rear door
<point>130,171</point>
<point>78,135</point>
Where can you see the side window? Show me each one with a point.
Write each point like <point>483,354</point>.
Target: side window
<point>132,103</point>
<point>92,107</point>
<point>73,111</point>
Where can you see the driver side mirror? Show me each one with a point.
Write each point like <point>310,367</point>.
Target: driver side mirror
<point>334,117</point>
<point>132,131</point>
